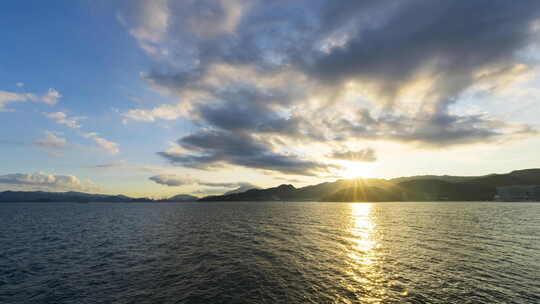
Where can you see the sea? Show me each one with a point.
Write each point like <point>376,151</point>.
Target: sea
<point>270,252</point>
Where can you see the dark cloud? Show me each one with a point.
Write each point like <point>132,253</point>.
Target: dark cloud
<point>452,39</point>
<point>441,130</point>
<point>245,109</point>
<point>215,148</point>
<point>249,110</point>
<point>173,180</point>
<point>364,155</point>
<point>385,40</point>
<point>321,47</point>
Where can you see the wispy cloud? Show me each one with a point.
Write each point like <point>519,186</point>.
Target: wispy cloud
<point>63,119</point>
<point>52,140</point>
<point>122,164</point>
<point>111,165</point>
<point>109,146</point>
<point>51,98</point>
<point>165,112</point>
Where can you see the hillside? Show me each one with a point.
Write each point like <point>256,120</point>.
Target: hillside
<point>420,188</point>
<point>181,198</point>
<point>280,193</point>
<point>41,196</point>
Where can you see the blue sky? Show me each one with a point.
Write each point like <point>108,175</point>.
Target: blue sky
<point>81,50</point>
<point>165,97</point>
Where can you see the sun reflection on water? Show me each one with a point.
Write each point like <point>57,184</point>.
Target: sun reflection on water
<point>364,257</point>
<point>362,231</point>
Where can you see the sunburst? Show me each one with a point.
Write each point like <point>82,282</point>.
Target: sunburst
<point>356,170</point>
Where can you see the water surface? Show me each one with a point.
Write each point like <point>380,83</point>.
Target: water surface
<point>270,253</point>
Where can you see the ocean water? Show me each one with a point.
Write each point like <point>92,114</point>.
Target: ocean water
<point>270,253</point>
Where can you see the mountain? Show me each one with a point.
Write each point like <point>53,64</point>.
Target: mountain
<point>308,193</point>
<point>241,189</point>
<point>519,177</point>
<point>41,196</point>
<point>438,190</point>
<point>445,178</point>
<point>413,188</point>
<point>364,194</point>
<point>182,198</point>
<point>532,176</point>
<point>280,193</point>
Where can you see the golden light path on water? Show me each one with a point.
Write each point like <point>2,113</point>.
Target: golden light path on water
<point>362,230</point>
<point>366,257</point>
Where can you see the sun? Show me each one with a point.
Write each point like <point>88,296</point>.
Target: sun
<point>356,170</point>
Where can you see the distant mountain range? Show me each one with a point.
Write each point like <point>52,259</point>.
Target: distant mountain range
<point>81,197</point>
<point>71,196</point>
<point>413,188</point>
<point>182,198</point>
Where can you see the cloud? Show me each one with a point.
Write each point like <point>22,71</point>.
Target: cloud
<point>209,149</point>
<point>111,165</point>
<point>165,112</point>
<point>62,119</point>
<point>364,155</point>
<point>265,81</point>
<point>153,17</point>
<point>174,180</point>
<point>209,191</point>
<point>247,108</point>
<point>242,187</point>
<point>52,140</point>
<point>45,181</point>
<point>51,98</point>
<point>122,164</point>
<point>109,146</point>
<point>432,131</point>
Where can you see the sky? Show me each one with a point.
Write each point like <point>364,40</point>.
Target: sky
<point>162,97</point>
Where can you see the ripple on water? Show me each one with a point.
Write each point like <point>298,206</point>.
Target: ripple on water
<point>270,253</point>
